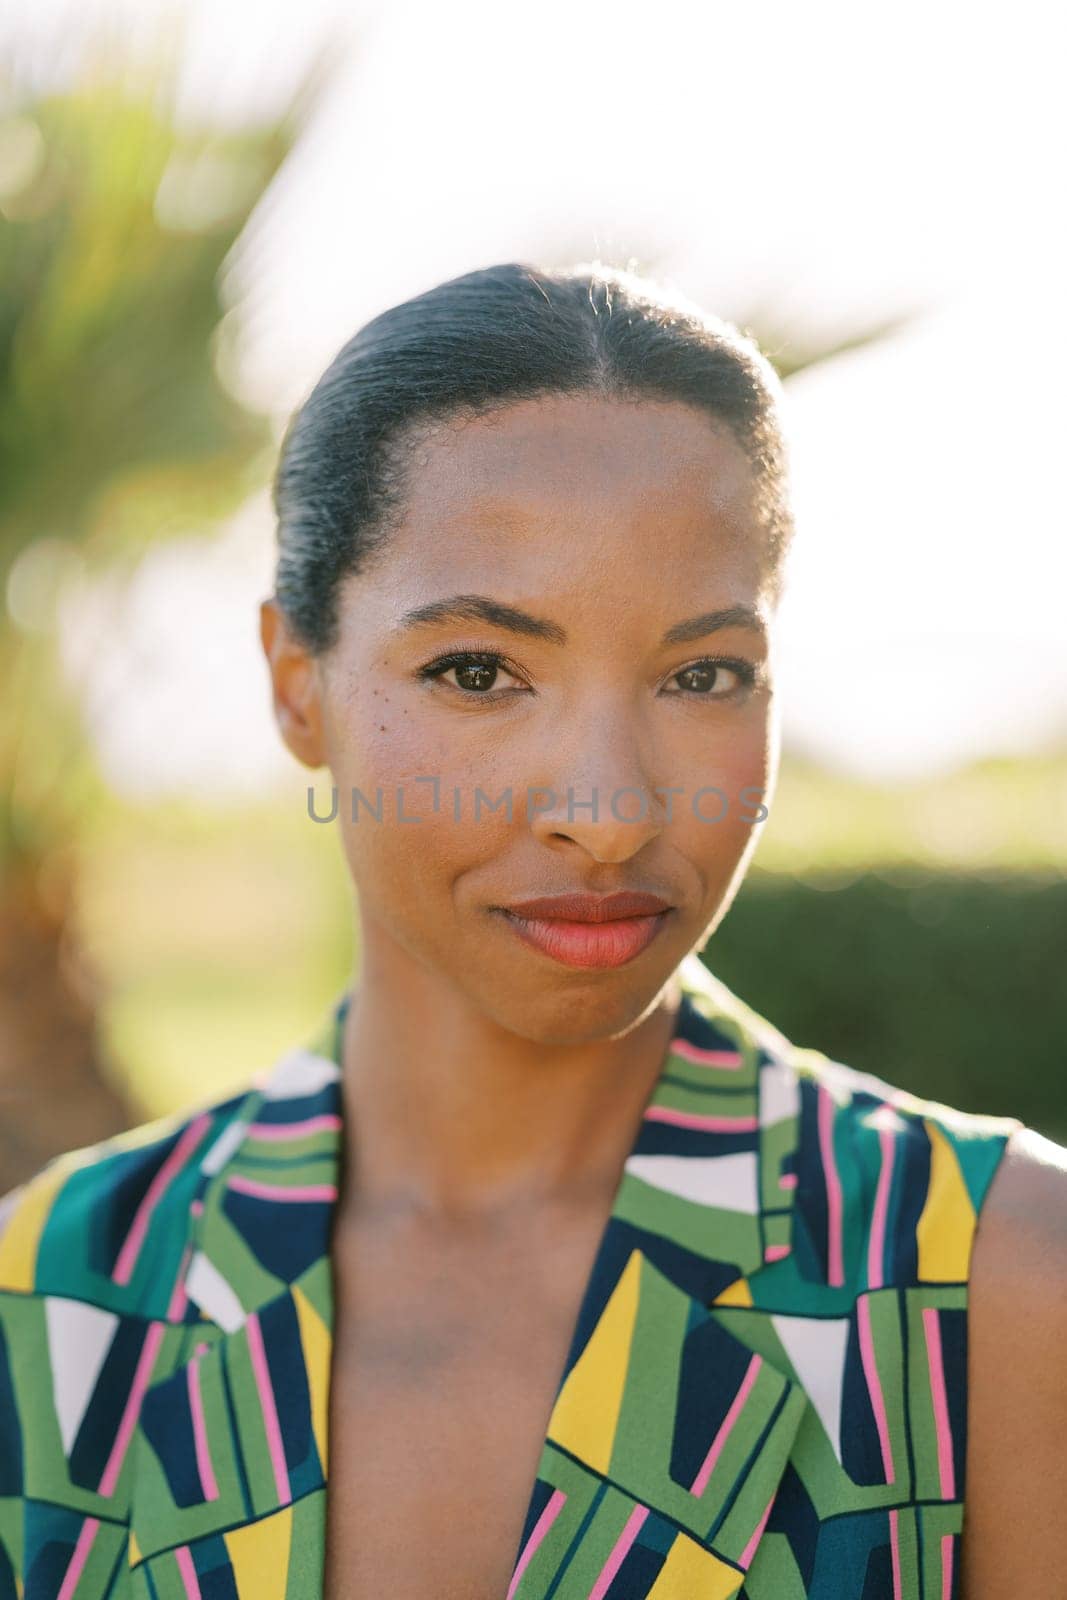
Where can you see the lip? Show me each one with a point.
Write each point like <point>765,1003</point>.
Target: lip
<point>589,944</point>
<point>591,931</point>
<point>584,907</point>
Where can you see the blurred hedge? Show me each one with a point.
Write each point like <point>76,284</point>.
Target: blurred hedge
<point>948,984</point>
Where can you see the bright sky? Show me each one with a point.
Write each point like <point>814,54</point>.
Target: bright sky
<point>833,162</point>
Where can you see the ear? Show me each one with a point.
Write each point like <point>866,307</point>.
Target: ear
<point>296,684</point>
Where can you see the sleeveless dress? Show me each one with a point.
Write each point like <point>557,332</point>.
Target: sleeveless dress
<point>764,1397</point>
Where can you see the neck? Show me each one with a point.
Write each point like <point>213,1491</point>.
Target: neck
<point>448,1112</point>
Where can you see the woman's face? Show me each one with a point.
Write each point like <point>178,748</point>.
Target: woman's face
<point>597,534</point>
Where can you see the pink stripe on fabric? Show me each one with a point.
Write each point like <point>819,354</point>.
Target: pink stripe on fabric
<point>281,1191</point>
<point>203,1454</point>
<point>775,1252</point>
<point>697,1119</point>
<point>730,1059</point>
<point>750,1549</point>
<point>876,1244</point>
<point>145,1363</point>
<point>948,1547</point>
<point>271,1425</point>
<point>77,1561</point>
<point>874,1386</point>
<point>179,1300</point>
<point>328,1122</point>
<point>894,1545</point>
<point>945,1466</point>
<point>700,1482</point>
<point>788,1180</point>
<point>184,1557</point>
<point>619,1554</point>
<point>834,1259</point>
<point>541,1526</point>
<point>169,1170</point>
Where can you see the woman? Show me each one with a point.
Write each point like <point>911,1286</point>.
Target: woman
<point>597,1285</point>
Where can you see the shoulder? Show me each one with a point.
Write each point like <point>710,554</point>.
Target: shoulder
<point>867,1103</point>
<point>900,1179</point>
<point>1017,1413</point>
<point>887,1186</point>
<point>100,1224</point>
<point>1019,1272</point>
<point>1027,1209</point>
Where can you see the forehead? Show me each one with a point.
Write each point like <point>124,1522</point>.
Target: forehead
<point>558,458</point>
<point>613,517</point>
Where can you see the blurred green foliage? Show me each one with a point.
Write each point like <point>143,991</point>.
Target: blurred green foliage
<point>120,425</point>
<point>117,427</point>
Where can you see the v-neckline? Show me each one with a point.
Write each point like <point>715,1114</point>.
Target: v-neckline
<point>604,1271</point>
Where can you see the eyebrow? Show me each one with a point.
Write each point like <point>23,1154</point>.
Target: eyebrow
<point>498,614</point>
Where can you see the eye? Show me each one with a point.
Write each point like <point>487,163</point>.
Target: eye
<point>477,672</point>
<point>703,679</point>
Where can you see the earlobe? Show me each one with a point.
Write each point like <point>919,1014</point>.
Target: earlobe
<point>295,685</point>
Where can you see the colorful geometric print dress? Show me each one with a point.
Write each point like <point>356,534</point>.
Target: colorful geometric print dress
<point>764,1398</point>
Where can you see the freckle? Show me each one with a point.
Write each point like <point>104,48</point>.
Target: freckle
<point>381,727</point>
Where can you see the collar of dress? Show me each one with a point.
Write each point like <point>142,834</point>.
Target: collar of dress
<point>675,1413</point>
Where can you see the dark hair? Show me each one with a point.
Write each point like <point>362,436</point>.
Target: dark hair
<point>469,346</point>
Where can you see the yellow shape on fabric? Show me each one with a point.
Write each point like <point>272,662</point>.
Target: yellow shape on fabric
<point>259,1556</point>
<point>946,1227</point>
<point>316,1343</point>
<point>134,1550</point>
<point>690,1570</point>
<point>21,1235</point>
<point>737,1294</point>
<point>586,1413</point>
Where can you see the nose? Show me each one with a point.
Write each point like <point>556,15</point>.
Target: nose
<point>606,800</point>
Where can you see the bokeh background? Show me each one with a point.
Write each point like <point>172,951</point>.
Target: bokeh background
<point>199,203</point>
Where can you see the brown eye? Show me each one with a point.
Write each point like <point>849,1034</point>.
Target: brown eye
<point>476,675</point>
<point>698,679</point>
<point>710,679</point>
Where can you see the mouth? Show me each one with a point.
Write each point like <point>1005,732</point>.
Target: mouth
<point>589,931</point>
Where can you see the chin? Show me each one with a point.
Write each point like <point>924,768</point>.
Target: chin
<point>579,1007</point>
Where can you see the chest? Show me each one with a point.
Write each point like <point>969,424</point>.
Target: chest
<point>448,1354</point>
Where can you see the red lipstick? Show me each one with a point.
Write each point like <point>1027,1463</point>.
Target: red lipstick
<point>589,930</point>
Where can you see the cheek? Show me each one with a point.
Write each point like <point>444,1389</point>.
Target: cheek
<point>723,782</point>
<point>737,764</point>
<point>397,777</point>
<point>410,858</point>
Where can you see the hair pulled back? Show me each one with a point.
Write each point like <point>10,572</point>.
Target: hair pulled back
<point>469,346</point>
